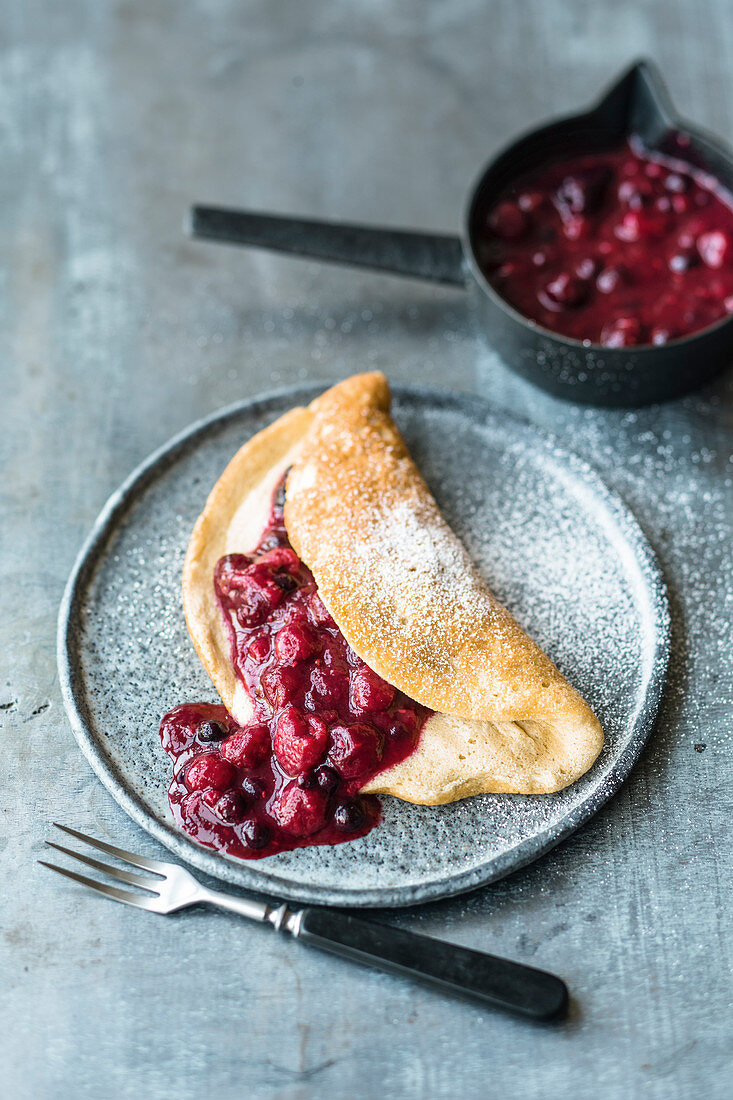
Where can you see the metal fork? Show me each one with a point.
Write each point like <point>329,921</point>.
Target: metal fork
<point>505,984</point>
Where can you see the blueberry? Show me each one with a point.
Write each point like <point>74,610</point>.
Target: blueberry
<point>349,816</point>
<point>231,807</point>
<point>286,582</point>
<point>683,261</point>
<point>677,183</point>
<point>327,778</point>
<point>253,788</point>
<point>212,731</point>
<point>255,834</point>
<point>307,781</point>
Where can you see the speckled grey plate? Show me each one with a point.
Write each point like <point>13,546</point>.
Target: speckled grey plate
<point>557,547</point>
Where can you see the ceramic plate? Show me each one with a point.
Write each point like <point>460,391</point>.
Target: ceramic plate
<point>556,546</point>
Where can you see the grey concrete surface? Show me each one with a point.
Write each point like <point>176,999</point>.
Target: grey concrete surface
<point>116,332</point>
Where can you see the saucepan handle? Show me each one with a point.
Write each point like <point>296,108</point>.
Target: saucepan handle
<point>433,256</point>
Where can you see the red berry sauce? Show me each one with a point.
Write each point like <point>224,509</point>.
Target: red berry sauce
<point>619,248</point>
<point>323,725</point>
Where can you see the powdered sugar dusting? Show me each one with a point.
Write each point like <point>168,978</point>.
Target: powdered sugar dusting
<point>407,552</point>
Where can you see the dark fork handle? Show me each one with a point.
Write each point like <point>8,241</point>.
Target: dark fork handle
<point>494,981</point>
<point>432,256</point>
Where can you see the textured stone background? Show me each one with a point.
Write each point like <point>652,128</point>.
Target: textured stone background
<point>116,332</point>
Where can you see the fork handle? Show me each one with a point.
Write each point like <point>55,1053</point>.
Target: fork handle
<point>505,984</point>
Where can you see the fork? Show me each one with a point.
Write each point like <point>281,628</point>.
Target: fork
<point>460,970</point>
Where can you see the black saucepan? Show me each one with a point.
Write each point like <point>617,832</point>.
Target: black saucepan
<point>637,103</point>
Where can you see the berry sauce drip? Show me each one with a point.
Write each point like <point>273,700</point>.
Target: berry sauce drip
<point>323,724</point>
<point>620,248</point>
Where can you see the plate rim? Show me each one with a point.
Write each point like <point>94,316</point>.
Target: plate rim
<point>253,875</point>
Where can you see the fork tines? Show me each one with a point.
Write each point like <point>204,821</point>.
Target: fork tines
<point>149,900</point>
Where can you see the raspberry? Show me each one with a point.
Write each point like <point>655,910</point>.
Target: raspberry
<point>319,613</point>
<point>280,685</point>
<point>259,648</point>
<point>576,227</point>
<point>329,686</point>
<point>247,747</point>
<point>282,557</point>
<point>299,742</point>
<point>295,642</point>
<point>508,221</point>
<point>356,750</point>
<point>637,225</point>
<point>610,278</point>
<point>210,771</point>
<point>622,333</point>
<point>254,589</point>
<point>299,812</point>
<point>369,692</point>
<point>231,574</point>
<point>715,248</point>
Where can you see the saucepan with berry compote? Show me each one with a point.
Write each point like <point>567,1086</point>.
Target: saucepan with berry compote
<point>599,249</point>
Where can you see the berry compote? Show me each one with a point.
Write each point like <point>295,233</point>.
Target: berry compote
<point>323,724</point>
<point>619,248</point>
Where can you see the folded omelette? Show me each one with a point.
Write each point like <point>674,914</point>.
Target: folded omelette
<point>404,593</point>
